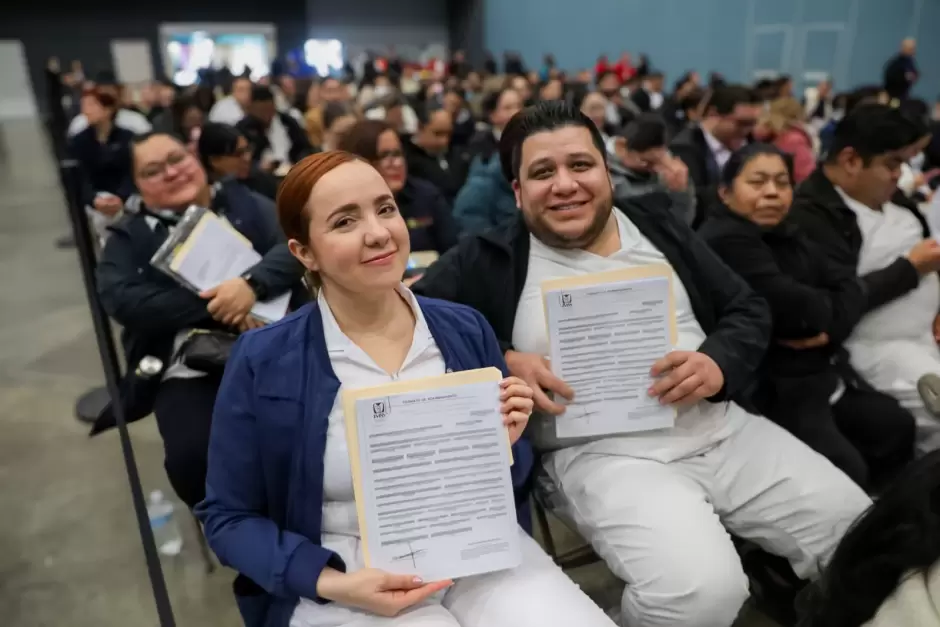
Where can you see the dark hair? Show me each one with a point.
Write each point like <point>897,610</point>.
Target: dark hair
<point>178,109</point>
<point>424,112</point>
<point>867,94</point>
<point>137,140</point>
<point>363,139</point>
<point>605,74</point>
<point>872,130</point>
<point>491,102</point>
<point>899,534</point>
<point>106,100</point>
<point>541,117</point>
<point>725,98</point>
<point>333,111</point>
<point>692,100</point>
<point>217,140</point>
<point>261,93</point>
<point>741,157</point>
<point>645,132</point>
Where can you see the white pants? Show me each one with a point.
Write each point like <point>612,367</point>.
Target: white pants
<point>894,367</point>
<point>536,594</point>
<point>661,526</point>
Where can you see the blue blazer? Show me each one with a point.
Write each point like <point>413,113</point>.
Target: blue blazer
<point>264,486</point>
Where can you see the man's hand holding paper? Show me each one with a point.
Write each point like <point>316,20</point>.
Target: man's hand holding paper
<point>685,378</point>
<point>537,373</point>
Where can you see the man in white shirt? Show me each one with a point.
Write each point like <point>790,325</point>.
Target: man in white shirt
<point>126,119</point>
<point>277,140</point>
<point>852,207</point>
<point>657,506</point>
<point>731,113</point>
<point>231,109</point>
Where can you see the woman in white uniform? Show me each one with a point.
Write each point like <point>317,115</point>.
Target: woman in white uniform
<point>280,507</point>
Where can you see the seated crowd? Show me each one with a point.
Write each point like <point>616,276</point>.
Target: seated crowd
<point>806,373</point>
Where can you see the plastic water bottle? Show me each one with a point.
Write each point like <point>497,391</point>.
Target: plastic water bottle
<point>166,533</point>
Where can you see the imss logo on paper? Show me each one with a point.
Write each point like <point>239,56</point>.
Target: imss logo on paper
<point>565,299</point>
<point>380,410</point>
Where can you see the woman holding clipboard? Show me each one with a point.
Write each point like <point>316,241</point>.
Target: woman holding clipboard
<point>280,507</point>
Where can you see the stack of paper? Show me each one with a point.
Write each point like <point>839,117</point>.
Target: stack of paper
<point>206,251</point>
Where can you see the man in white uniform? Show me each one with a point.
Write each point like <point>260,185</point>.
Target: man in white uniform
<point>852,207</point>
<point>656,506</point>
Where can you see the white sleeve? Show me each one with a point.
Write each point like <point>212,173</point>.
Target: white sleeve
<point>78,124</point>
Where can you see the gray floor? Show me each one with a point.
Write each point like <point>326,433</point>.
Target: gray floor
<point>70,553</point>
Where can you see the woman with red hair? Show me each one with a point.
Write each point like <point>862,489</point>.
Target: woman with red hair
<point>279,505</point>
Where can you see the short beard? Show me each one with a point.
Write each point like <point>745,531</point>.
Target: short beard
<point>543,232</point>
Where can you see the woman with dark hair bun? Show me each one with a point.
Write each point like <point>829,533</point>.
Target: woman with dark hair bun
<point>225,153</point>
<point>807,385</point>
<point>884,572</point>
<point>103,151</point>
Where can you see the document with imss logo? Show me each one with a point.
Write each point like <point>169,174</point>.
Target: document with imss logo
<point>606,330</point>
<point>431,474</point>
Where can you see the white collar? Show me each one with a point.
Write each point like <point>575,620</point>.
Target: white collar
<point>714,145</point>
<point>337,341</point>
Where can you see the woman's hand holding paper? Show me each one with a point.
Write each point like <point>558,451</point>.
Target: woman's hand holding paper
<point>516,406</point>
<point>376,591</point>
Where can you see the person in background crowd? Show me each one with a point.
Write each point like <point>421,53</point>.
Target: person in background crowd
<point>165,95</point>
<point>620,112</point>
<point>427,152</point>
<point>473,92</point>
<point>458,65</point>
<point>643,67</point>
<point>913,182</point>
<point>624,68</point>
<point>395,65</point>
<point>783,127</point>
<point>103,152</point>
<point>551,89</point>
<point>901,71</point>
<point>658,506</point>
<point>784,87</point>
<point>338,118</point>
<point>671,109</point>
<point>731,114</point>
<point>649,97</point>
<point>601,66</point>
<point>422,205</point>
<point>642,165</point>
<point>157,313</point>
<point>852,208</point>
<point>225,154</point>
<point>183,119</point>
<point>807,385</point>
<point>486,199</point>
<point>523,87</point>
<point>204,98</point>
<point>231,109</point>
<point>818,104</point>
<point>498,107</point>
<point>594,106</point>
<point>334,90</point>
<point>276,138</point>
<point>885,571</point>
<point>295,532</point>
<point>464,125</point>
<point>106,83</point>
<point>313,115</point>
<point>548,68</point>
<point>513,65</point>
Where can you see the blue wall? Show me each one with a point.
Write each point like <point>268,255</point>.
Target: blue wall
<point>848,39</point>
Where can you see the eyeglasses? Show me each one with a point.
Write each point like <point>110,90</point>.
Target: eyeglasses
<point>389,155</point>
<point>156,169</point>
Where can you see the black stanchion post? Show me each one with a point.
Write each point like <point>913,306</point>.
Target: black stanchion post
<point>112,369</point>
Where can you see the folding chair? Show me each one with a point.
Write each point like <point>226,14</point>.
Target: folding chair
<point>547,499</point>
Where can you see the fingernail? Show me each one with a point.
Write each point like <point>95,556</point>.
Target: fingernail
<point>418,580</point>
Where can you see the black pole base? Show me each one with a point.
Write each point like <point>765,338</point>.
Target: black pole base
<point>90,404</point>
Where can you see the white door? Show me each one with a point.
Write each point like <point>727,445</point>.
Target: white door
<point>132,60</point>
<point>17,100</point>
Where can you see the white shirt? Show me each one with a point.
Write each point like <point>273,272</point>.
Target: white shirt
<point>887,235</point>
<point>125,118</point>
<point>355,369</point>
<point>719,151</point>
<point>226,111</point>
<point>697,427</point>
<point>278,142</point>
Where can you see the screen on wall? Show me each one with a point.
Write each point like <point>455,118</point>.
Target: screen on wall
<point>190,52</point>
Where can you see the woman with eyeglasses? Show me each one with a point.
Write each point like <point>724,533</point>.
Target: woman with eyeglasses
<point>427,214</point>
<point>226,155</point>
<point>157,314</point>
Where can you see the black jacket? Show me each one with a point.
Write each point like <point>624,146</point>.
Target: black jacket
<point>896,76</point>
<point>428,215</point>
<point>429,167</point>
<point>105,167</point>
<point>488,272</point>
<point>690,146</point>
<point>807,294</point>
<point>257,135</point>
<point>820,212</point>
<point>152,308</point>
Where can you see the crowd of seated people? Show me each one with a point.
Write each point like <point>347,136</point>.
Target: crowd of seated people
<point>806,372</point>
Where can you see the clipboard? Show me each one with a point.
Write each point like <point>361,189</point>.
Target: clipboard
<point>350,397</point>
<point>651,271</point>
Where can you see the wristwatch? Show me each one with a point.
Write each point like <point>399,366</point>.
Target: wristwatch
<point>261,292</point>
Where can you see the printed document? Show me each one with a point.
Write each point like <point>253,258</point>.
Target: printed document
<point>606,331</point>
<point>431,476</point>
<point>215,252</point>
